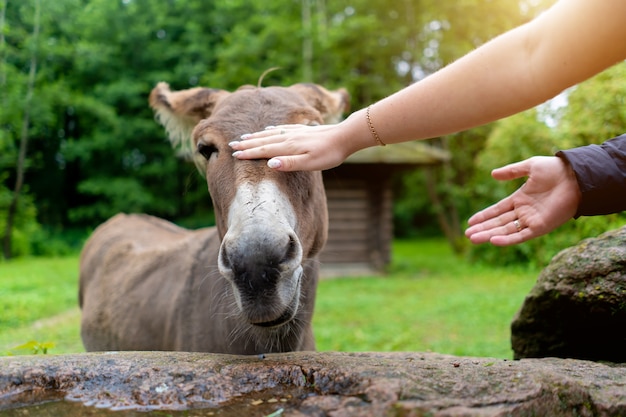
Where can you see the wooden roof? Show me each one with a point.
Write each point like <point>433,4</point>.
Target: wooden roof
<point>407,153</point>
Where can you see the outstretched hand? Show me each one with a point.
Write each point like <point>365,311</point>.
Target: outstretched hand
<point>549,198</point>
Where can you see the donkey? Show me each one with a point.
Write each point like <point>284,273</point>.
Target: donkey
<point>245,286</point>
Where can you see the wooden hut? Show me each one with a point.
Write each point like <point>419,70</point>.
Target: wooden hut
<point>360,206</point>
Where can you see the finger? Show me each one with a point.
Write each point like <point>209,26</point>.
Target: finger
<point>513,227</point>
<point>512,171</point>
<point>242,145</point>
<point>486,235</point>
<point>478,237</point>
<point>289,163</point>
<point>494,222</point>
<point>494,211</point>
<point>286,127</point>
<point>482,232</point>
<point>260,139</point>
<point>256,152</point>
<point>275,163</point>
<point>270,131</point>
<point>513,239</point>
<point>260,134</point>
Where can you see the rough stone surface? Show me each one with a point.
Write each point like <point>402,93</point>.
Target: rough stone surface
<point>322,384</point>
<point>577,308</point>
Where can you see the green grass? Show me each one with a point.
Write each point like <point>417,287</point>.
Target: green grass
<point>38,301</point>
<point>429,301</point>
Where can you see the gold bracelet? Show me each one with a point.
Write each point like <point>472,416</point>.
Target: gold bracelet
<point>371,126</point>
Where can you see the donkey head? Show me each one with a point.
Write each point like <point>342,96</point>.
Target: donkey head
<point>270,223</point>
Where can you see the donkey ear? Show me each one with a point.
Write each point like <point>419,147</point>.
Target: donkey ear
<point>180,111</point>
<point>331,104</point>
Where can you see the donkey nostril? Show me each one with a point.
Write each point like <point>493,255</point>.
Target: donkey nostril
<point>224,258</point>
<point>292,249</point>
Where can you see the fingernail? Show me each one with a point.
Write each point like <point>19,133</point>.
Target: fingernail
<point>274,163</point>
<point>245,136</point>
<point>236,153</point>
<point>233,143</point>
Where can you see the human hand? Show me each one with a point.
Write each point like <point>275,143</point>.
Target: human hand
<point>291,147</point>
<point>304,147</point>
<point>549,198</point>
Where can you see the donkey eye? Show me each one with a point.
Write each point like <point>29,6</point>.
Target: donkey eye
<point>206,150</point>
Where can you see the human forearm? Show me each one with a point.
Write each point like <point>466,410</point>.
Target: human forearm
<point>513,72</point>
<point>471,92</point>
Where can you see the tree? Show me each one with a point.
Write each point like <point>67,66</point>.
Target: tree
<point>94,149</point>
<point>109,154</point>
<point>21,159</point>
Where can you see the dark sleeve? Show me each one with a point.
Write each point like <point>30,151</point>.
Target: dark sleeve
<point>601,174</point>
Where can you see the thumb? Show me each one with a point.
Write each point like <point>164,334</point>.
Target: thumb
<point>512,171</point>
<point>283,163</point>
<point>275,163</point>
<point>304,162</point>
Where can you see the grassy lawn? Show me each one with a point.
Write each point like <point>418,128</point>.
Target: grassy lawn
<point>38,301</point>
<point>429,301</point>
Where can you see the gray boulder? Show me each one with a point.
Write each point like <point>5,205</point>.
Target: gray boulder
<point>577,308</point>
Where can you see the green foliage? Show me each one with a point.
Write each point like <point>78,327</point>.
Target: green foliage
<point>414,211</point>
<point>596,110</point>
<point>33,347</point>
<point>25,223</point>
<point>95,149</point>
<point>61,242</point>
<point>18,48</point>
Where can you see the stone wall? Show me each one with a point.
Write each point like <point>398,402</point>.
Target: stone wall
<point>322,384</point>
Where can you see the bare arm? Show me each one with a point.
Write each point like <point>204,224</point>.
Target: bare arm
<point>570,42</point>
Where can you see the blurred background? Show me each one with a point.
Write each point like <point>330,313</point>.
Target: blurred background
<point>78,142</point>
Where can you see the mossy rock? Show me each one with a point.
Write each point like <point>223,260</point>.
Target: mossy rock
<point>577,308</point>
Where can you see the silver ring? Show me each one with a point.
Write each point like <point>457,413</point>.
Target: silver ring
<point>282,131</point>
<point>517,224</point>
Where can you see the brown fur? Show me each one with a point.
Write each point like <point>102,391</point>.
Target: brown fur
<point>146,284</point>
